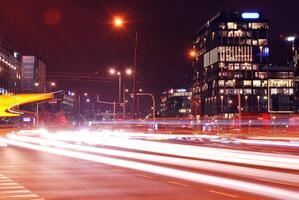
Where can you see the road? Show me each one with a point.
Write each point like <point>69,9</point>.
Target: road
<point>91,166</point>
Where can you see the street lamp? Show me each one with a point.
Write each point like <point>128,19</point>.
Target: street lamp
<point>119,74</point>
<point>53,84</point>
<point>119,23</point>
<point>192,53</point>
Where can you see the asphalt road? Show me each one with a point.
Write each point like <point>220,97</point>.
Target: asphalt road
<point>35,170</point>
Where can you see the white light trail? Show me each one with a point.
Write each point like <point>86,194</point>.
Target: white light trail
<point>226,155</point>
<point>216,167</point>
<point>259,189</point>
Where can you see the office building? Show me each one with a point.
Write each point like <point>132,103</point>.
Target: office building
<point>176,103</point>
<point>231,65</point>
<point>33,74</point>
<point>10,69</point>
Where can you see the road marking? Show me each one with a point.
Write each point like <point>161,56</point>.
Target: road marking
<point>11,187</point>
<point>24,196</point>
<point>224,194</point>
<point>145,176</point>
<point>177,183</point>
<point>15,191</point>
<point>12,190</point>
<point>5,184</point>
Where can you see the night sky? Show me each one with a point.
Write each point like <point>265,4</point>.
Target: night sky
<point>76,36</point>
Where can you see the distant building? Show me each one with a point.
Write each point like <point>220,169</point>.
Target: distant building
<point>10,69</point>
<point>231,65</point>
<point>295,65</point>
<point>176,103</point>
<point>33,74</point>
<point>280,89</point>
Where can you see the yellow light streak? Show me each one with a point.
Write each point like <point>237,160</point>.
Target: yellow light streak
<point>9,101</point>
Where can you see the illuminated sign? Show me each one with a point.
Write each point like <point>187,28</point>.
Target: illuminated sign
<point>265,51</point>
<point>250,15</point>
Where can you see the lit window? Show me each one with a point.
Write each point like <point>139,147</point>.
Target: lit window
<point>256,83</point>
<point>231,25</point>
<point>259,25</point>
<point>263,42</point>
<point>247,82</point>
<point>274,91</point>
<point>247,91</point>
<point>221,83</point>
<point>254,42</point>
<point>221,26</point>
<point>239,33</point>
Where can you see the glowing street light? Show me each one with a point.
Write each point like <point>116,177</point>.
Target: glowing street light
<point>36,84</point>
<point>192,53</point>
<point>129,71</point>
<point>53,84</point>
<point>87,100</point>
<point>118,22</point>
<point>112,71</point>
<point>85,94</point>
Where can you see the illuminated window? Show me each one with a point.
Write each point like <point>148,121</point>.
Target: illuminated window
<point>230,34</point>
<point>247,91</point>
<point>239,33</point>
<point>254,42</point>
<point>259,25</point>
<point>264,83</point>
<point>229,83</point>
<point>263,42</point>
<point>221,26</point>
<point>255,67</point>
<point>231,25</point>
<point>247,82</point>
<point>273,91</point>
<point>256,83</point>
<point>221,83</point>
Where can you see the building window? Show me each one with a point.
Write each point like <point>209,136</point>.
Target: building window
<point>254,42</point>
<point>221,83</point>
<point>256,83</point>
<point>229,83</point>
<point>263,42</point>
<point>259,25</point>
<point>221,26</point>
<point>247,82</point>
<point>231,25</point>
<point>239,33</point>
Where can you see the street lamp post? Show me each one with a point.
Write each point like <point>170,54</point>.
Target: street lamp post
<point>119,74</point>
<point>119,23</point>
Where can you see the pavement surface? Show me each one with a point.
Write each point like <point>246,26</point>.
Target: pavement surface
<point>37,167</point>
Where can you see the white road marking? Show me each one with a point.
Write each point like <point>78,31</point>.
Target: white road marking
<point>12,190</point>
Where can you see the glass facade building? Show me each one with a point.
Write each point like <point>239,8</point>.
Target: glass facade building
<point>231,65</point>
<point>176,103</point>
<point>10,69</point>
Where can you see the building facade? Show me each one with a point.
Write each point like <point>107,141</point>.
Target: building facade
<point>10,69</point>
<point>33,74</point>
<point>231,65</point>
<point>295,65</point>
<point>176,103</point>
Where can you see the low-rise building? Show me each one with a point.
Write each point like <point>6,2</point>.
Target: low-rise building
<point>176,103</point>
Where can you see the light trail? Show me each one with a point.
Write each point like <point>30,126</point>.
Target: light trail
<point>244,186</point>
<point>282,177</point>
<point>234,156</point>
